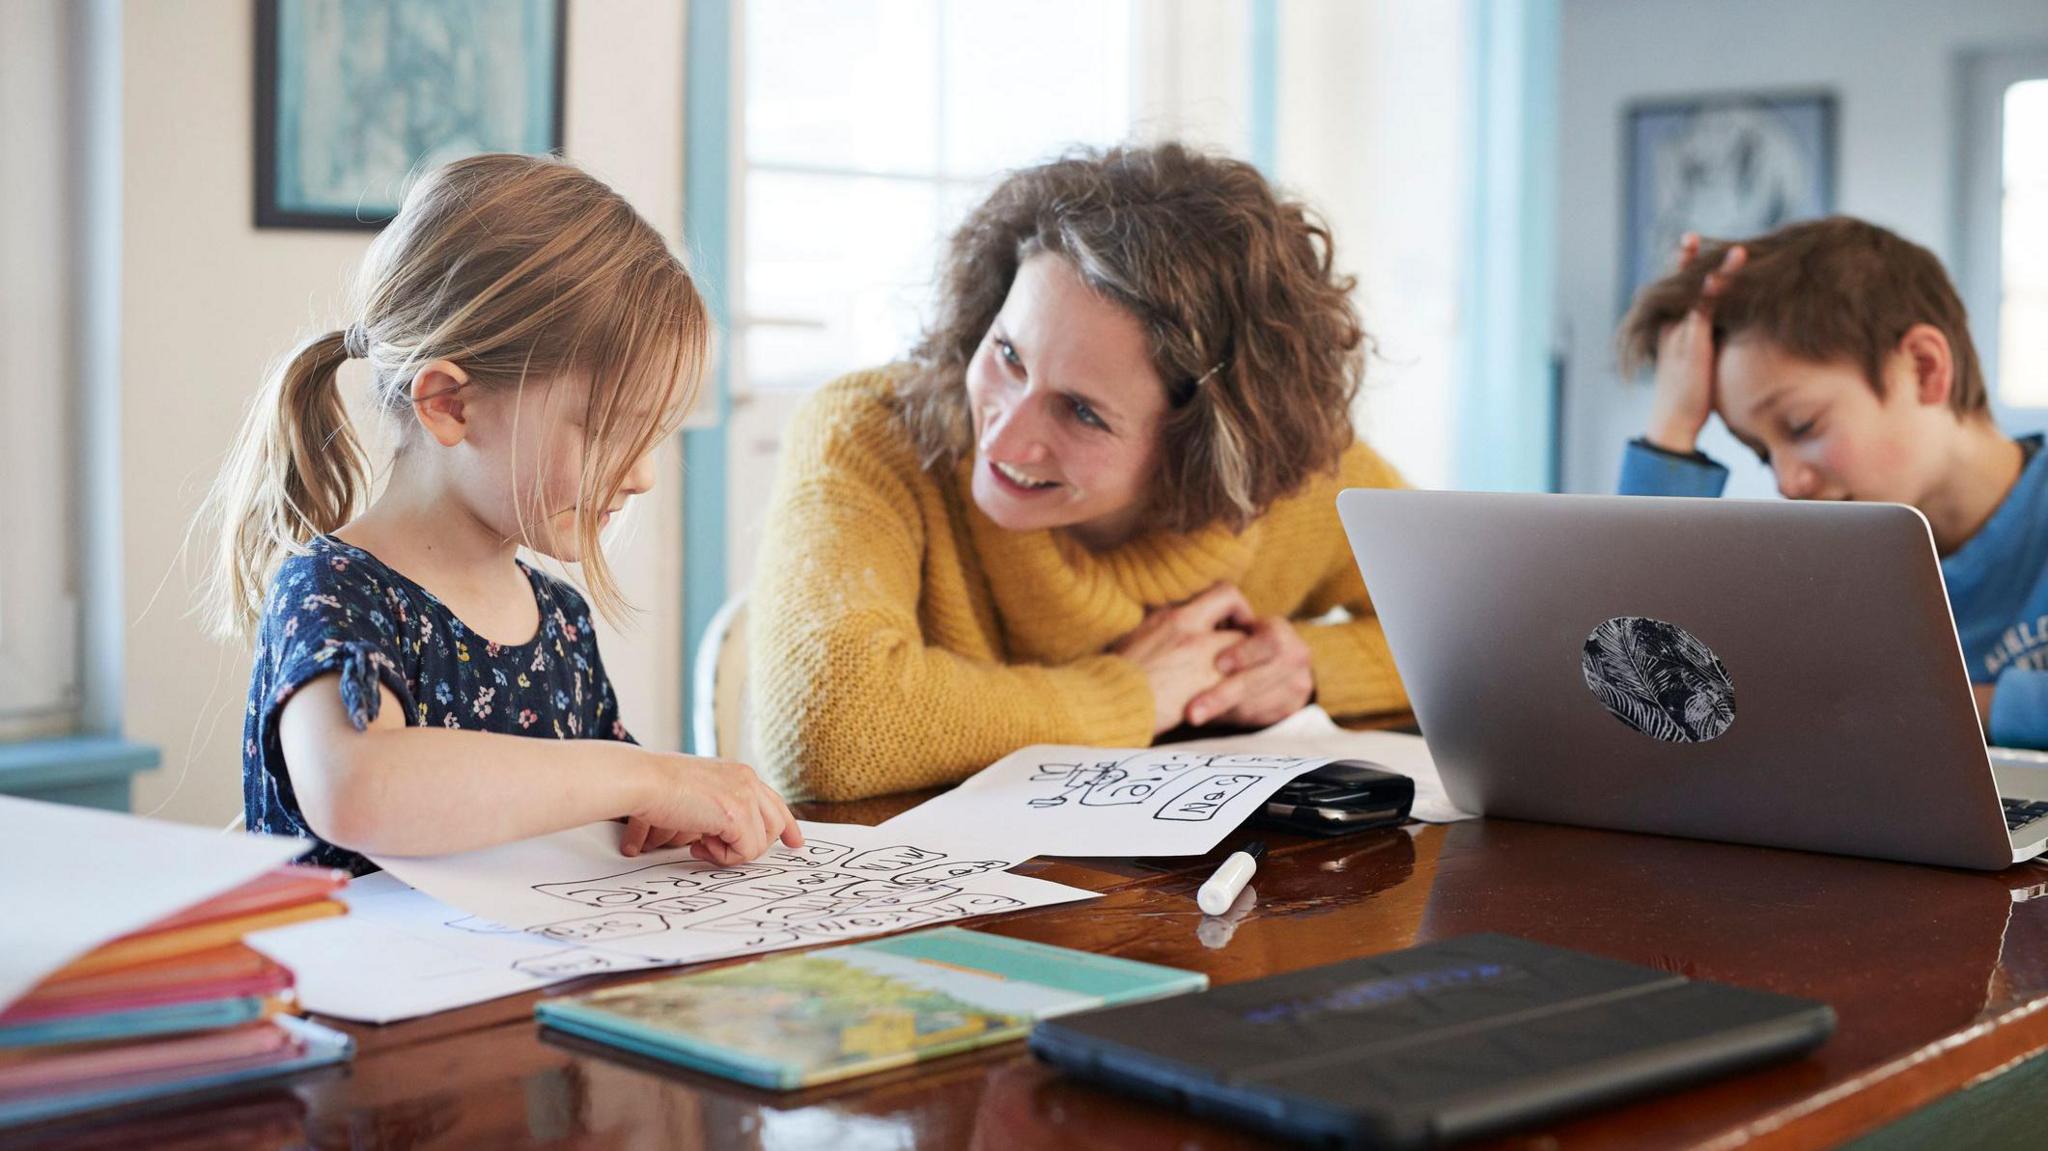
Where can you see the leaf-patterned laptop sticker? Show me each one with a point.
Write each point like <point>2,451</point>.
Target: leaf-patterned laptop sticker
<point>1659,679</point>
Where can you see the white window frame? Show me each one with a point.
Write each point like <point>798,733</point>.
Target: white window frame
<point>1985,77</point>
<point>758,408</point>
<point>1145,92</point>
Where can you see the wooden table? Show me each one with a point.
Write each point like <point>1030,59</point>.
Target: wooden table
<point>1938,978</point>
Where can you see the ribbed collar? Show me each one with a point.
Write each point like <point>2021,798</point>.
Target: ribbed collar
<point>1058,601</point>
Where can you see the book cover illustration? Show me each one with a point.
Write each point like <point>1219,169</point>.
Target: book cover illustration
<point>816,1017</point>
<point>798,1020</point>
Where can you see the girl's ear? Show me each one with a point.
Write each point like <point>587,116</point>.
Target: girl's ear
<point>437,401</point>
<point>1926,348</point>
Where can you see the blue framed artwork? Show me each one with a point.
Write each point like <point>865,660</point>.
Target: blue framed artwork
<point>353,96</point>
<point>1727,167</point>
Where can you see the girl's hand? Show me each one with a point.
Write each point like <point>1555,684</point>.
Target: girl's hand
<point>1683,395</point>
<point>642,836</point>
<point>1177,646</point>
<point>1984,693</point>
<point>1267,678</point>
<point>720,808</point>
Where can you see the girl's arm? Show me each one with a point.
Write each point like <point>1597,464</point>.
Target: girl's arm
<point>397,790</point>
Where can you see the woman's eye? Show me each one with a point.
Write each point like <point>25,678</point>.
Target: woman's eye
<point>1008,351</point>
<point>1086,415</point>
<point>1802,429</point>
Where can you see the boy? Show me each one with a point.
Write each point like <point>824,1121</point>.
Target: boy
<point>1840,354</point>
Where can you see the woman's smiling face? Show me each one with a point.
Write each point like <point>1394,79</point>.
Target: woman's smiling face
<point>1067,408</point>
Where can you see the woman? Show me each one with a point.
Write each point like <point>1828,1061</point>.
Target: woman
<point>1096,504</point>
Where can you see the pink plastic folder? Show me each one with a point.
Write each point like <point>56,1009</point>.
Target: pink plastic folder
<point>102,1065</point>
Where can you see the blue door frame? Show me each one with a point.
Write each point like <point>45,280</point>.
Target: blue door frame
<point>707,219</point>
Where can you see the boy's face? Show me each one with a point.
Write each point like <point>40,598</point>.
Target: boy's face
<point>1825,433</point>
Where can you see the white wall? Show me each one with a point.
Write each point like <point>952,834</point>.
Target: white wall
<point>208,302</point>
<point>1892,66</point>
<point>1374,104</point>
<point>1191,73</point>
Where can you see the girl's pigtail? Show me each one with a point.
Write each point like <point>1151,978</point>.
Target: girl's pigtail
<point>296,471</point>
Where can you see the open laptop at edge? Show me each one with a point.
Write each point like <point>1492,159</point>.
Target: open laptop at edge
<point>1755,671</point>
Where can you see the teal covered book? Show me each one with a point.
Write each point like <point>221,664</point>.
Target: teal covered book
<point>799,1020</point>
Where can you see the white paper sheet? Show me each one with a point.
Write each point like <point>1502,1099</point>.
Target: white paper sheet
<point>1312,732</point>
<point>72,878</point>
<point>1179,799</point>
<point>401,953</point>
<point>573,888</point>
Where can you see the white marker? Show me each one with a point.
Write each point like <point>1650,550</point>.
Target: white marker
<point>1215,896</point>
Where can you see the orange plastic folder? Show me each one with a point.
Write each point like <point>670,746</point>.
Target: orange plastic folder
<point>148,946</point>
<point>230,970</point>
<point>287,886</point>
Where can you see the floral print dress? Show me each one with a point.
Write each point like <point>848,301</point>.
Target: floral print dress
<point>340,609</point>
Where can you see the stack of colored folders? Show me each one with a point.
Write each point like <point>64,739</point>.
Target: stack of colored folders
<point>179,1006</point>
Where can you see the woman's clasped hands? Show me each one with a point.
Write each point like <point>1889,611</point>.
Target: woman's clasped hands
<point>1212,659</point>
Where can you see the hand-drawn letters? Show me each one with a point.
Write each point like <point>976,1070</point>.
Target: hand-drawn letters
<point>821,890</point>
<point>1174,785</point>
<point>1051,800</point>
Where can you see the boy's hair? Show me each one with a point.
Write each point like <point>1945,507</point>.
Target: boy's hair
<point>1251,330</point>
<point>513,268</point>
<point>1825,290</point>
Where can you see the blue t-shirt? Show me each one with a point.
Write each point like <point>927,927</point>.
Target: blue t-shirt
<point>1997,582</point>
<point>340,609</point>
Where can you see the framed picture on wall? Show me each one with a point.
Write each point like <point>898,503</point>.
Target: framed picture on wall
<point>352,96</point>
<point>1725,166</point>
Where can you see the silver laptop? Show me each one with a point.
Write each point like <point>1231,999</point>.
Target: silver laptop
<point>1755,671</point>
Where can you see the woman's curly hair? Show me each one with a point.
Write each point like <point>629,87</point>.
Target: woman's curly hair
<point>1251,329</point>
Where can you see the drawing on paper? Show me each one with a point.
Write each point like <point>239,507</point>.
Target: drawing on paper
<point>1182,786</point>
<point>511,918</point>
<point>570,964</point>
<point>819,891</point>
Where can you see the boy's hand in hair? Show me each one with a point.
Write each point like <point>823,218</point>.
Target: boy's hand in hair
<point>1684,384</point>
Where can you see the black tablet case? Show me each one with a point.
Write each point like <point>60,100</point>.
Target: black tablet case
<point>1415,1048</point>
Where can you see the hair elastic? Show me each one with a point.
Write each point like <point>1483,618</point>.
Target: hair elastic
<point>355,342</point>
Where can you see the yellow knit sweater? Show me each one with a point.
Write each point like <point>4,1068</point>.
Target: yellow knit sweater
<point>900,639</point>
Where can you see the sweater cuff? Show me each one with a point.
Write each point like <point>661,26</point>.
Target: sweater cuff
<point>1648,470</point>
<point>2019,709</point>
<point>1354,669</point>
<point>1107,702</point>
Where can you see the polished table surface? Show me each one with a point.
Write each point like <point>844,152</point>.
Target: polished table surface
<point>1938,979</point>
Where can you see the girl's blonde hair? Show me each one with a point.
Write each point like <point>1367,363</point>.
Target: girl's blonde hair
<point>510,267</point>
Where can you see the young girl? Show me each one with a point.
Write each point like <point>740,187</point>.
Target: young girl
<point>537,340</point>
